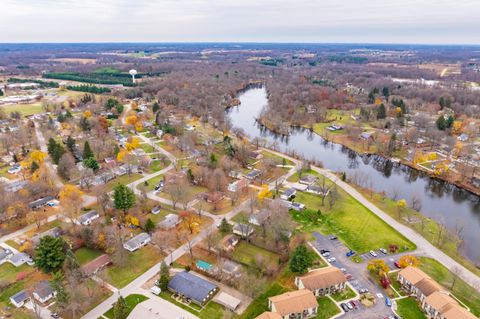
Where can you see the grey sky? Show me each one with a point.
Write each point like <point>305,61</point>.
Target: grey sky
<point>379,21</point>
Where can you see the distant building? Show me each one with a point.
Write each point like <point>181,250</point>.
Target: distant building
<point>307,179</point>
<point>88,218</point>
<point>170,221</point>
<point>40,202</point>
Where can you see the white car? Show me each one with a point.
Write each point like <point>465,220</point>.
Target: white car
<point>155,210</point>
<point>374,254</point>
<point>383,250</point>
<point>326,254</point>
<point>155,290</point>
<point>332,260</point>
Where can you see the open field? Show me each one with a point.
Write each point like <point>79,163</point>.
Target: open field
<point>353,223</point>
<point>24,109</point>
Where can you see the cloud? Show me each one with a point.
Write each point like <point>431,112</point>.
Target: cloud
<point>421,21</point>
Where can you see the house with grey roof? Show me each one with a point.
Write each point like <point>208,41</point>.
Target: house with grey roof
<point>5,255</point>
<point>288,193</point>
<point>192,287</point>
<point>243,230</point>
<point>88,218</point>
<point>19,299</point>
<point>36,204</point>
<point>253,174</point>
<point>137,242</point>
<point>44,292</point>
<point>19,259</point>
<point>54,232</point>
<point>170,221</point>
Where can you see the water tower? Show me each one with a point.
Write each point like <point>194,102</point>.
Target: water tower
<point>133,72</point>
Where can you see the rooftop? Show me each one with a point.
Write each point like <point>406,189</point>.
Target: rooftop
<point>191,286</point>
<point>293,302</point>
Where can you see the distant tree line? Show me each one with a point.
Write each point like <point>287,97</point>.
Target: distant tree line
<point>89,89</point>
<point>44,84</point>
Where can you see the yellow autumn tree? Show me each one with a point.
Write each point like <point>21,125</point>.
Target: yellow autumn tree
<point>87,114</point>
<point>132,220</point>
<point>458,149</point>
<point>131,119</point>
<point>432,156</point>
<point>378,267</point>
<point>133,144</point>
<point>378,101</point>
<point>457,128</point>
<point>408,260</point>
<point>70,192</point>
<point>121,155</point>
<point>264,192</point>
<point>38,156</point>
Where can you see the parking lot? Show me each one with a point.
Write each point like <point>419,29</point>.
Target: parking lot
<point>360,279</point>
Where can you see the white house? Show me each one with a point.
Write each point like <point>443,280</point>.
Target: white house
<point>19,259</point>
<point>44,292</point>
<point>137,242</point>
<point>88,218</point>
<point>19,299</point>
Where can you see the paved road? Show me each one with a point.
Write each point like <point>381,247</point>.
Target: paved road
<point>423,246</point>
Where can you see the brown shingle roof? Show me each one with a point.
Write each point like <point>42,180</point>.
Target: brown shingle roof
<point>294,302</point>
<point>447,306</point>
<point>96,264</point>
<point>413,274</point>
<point>428,286</point>
<point>323,278</point>
<point>269,315</point>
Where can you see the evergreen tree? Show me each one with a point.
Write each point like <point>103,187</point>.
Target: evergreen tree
<point>149,226</point>
<point>224,227</point>
<point>441,123</point>
<point>55,150</point>
<point>301,260</point>
<point>164,276</point>
<point>34,167</point>
<point>49,254</point>
<point>91,163</point>
<point>391,144</point>
<point>87,151</point>
<point>57,285</point>
<point>70,144</point>
<point>450,121</point>
<point>1,92</point>
<point>386,92</point>
<point>371,97</point>
<point>120,310</point>
<point>155,107</point>
<point>123,197</point>
<point>381,112</point>
<point>441,102</point>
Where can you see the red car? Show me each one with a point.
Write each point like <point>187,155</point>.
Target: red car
<point>397,265</point>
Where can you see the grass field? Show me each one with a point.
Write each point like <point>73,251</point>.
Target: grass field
<point>157,165</point>
<point>125,179</point>
<point>246,253</point>
<point>24,109</point>
<point>353,223</point>
<point>136,264</point>
<point>467,294</point>
<point>85,255</point>
<point>147,148</point>
<point>348,293</point>
<point>408,308</point>
<point>326,308</point>
<point>278,159</point>
<point>131,300</point>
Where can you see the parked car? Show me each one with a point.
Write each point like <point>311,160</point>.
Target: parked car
<point>388,302</point>
<point>155,210</point>
<point>397,265</point>
<point>332,237</point>
<point>354,305</point>
<point>332,260</point>
<point>324,251</point>
<point>54,315</point>
<point>160,186</point>
<point>155,290</point>
<point>344,270</point>
<point>326,254</point>
<point>350,253</point>
<point>349,306</point>
<point>363,290</point>
<point>383,250</point>
<point>374,254</point>
<point>344,307</point>
<point>348,276</point>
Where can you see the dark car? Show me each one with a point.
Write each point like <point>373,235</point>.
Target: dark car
<point>323,251</point>
<point>332,237</point>
<point>350,253</point>
<point>344,307</point>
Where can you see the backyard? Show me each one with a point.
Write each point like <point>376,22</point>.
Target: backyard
<point>131,300</point>
<point>408,308</point>
<point>85,255</point>
<point>326,308</point>
<point>135,264</point>
<point>247,254</point>
<point>211,310</point>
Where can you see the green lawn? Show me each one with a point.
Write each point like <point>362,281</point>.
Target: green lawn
<point>408,308</point>
<point>294,178</point>
<point>464,292</point>
<point>137,263</point>
<point>152,182</point>
<point>260,304</point>
<point>131,301</point>
<point>157,165</point>
<point>24,109</point>
<point>125,179</point>
<point>85,255</point>
<point>278,159</point>
<point>211,310</point>
<point>353,223</point>
<point>326,308</point>
<point>147,148</point>
<point>246,253</point>
<point>347,293</point>
<point>8,274</point>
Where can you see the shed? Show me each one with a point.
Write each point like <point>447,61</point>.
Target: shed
<point>228,301</point>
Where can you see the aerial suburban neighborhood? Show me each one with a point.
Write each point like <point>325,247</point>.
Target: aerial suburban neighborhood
<point>261,178</point>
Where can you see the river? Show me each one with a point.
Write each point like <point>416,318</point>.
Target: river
<point>444,202</point>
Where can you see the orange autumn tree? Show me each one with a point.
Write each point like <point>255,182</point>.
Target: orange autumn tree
<point>190,221</point>
<point>264,192</point>
<point>408,260</point>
